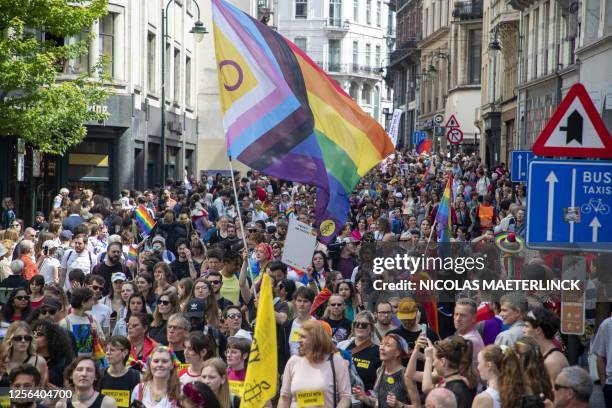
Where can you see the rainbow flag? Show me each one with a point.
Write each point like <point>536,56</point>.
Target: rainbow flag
<point>286,118</point>
<point>444,214</point>
<point>133,254</point>
<point>144,219</point>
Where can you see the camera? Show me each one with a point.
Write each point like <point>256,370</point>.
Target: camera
<point>333,250</point>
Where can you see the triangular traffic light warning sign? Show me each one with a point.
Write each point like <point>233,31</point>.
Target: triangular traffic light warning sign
<point>575,129</point>
<point>452,122</point>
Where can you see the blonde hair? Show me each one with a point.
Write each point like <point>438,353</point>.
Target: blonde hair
<point>10,333</point>
<point>219,365</point>
<point>174,384</point>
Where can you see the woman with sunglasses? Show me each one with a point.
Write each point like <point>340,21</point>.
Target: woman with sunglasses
<point>135,305</point>
<point>202,289</point>
<point>20,349</point>
<point>334,316</point>
<point>17,308</point>
<point>232,320</point>
<point>37,295</point>
<point>160,387</point>
<point>167,305</point>
<point>53,343</point>
<point>55,291</point>
<point>364,348</point>
<point>142,345</point>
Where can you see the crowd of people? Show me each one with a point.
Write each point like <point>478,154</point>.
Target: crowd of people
<point>126,315</point>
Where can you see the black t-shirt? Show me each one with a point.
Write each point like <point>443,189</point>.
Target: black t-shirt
<point>107,272</point>
<point>56,368</point>
<point>181,269</point>
<point>108,384</point>
<point>463,393</point>
<point>159,333</point>
<point>180,355</point>
<point>412,336</point>
<point>366,362</point>
<point>341,329</point>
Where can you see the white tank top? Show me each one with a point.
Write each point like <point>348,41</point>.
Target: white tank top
<point>494,394</point>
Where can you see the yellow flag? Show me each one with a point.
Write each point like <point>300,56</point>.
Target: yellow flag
<point>261,377</point>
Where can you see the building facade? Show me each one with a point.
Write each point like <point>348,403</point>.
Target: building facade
<point>124,151</point>
<point>350,40</point>
<point>405,67</point>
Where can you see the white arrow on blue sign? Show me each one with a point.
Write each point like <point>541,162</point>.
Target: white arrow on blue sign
<point>519,164</point>
<point>417,137</point>
<point>569,205</point>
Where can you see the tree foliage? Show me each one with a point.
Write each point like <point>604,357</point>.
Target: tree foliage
<point>37,103</point>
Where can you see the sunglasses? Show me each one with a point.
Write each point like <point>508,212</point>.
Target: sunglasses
<point>560,387</point>
<point>26,338</point>
<point>336,304</point>
<point>233,316</point>
<point>47,312</point>
<point>21,297</point>
<point>163,302</point>
<point>214,282</point>
<point>96,287</point>
<point>362,325</point>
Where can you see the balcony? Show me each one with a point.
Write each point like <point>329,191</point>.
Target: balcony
<point>467,10</point>
<point>403,49</point>
<point>351,69</point>
<point>337,25</point>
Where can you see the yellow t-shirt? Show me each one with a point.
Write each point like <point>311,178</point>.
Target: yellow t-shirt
<point>231,289</point>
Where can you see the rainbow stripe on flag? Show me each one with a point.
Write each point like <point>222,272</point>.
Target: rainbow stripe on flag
<point>285,117</point>
<point>144,219</point>
<point>424,147</point>
<point>443,216</point>
<point>132,254</point>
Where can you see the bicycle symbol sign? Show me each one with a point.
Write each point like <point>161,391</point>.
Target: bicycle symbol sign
<point>454,136</point>
<point>597,206</point>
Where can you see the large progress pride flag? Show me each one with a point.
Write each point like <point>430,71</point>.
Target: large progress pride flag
<point>284,116</point>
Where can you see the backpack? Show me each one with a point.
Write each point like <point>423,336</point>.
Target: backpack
<point>72,251</point>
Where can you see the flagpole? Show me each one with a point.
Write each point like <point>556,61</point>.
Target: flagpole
<point>244,241</point>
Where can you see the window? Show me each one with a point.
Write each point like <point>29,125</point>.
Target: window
<point>301,8</point>
<point>368,57</point>
<point>378,62</point>
<point>356,10</point>
<point>82,63</point>
<point>376,103</point>
<point>355,56</point>
<point>301,43</point>
<point>151,62</point>
<point>592,20</point>
<point>177,75</point>
<point>390,22</point>
<point>368,12</point>
<point>378,13</point>
<point>188,81</point>
<point>536,42</point>
<point>335,13</point>
<point>366,94</point>
<point>354,92</point>
<point>334,55</point>
<point>545,39</point>
<point>107,29</point>
<point>475,55</point>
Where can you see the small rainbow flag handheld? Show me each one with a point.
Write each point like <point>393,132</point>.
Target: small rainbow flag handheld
<point>443,217</point>
<point>133,254</point>
<point>144,219</point>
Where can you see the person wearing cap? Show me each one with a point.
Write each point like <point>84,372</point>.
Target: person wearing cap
<point>542,325</point>
<point>391,389</point>
<point>308,378</point>
<point>408,314</point>
<point>159,248</point>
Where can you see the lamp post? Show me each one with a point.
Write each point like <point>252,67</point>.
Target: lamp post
<point>198,30</point>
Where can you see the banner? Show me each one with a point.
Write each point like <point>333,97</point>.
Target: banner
<point>394,125</point>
